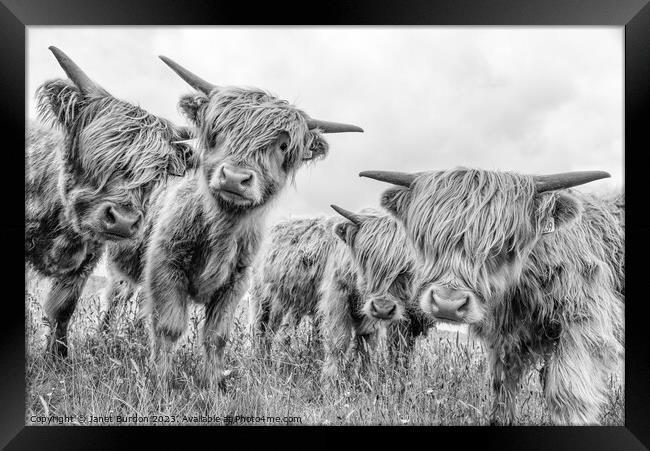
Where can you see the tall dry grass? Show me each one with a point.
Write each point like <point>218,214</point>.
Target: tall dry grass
<point>109,375</point>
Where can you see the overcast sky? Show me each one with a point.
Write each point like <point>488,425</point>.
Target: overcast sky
<point>535,100</point>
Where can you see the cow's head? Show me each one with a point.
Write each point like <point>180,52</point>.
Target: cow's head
<point>114,154</point>
<point>384,261</point>
<point>474,229</point>
<point>251,142</point>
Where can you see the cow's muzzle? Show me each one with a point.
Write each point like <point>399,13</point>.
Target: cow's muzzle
<point>235,182</point>
<point>383,309</point>
<point>117,222</point>
<point>449,303</point>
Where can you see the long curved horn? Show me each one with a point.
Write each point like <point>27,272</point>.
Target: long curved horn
<point>355,218</point>
<point>396,178</point>
<point>566,180</point>
<point>74,72</point>
<point>332,127</point>
<point>192,79</point>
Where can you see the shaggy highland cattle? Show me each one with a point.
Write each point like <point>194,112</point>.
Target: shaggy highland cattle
<point>355,278</point>
<point>205,229</point>
<point>536,270</point>
<point>88,182</point>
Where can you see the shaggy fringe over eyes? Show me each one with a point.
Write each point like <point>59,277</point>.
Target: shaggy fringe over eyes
<point>250,120</point>
<point>381,248</point>
<point>474,216</point>
<point>120,140</point>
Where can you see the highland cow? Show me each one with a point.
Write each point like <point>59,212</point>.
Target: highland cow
<point>535,269</point>
<point>354,277</point>
<point>88,182</point>
<point>206,228</point>
<point>287,277</point>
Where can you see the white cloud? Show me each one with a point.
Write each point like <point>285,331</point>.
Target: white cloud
<point>536,100</point>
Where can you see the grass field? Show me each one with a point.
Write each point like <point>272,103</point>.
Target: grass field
<point>108,376</point>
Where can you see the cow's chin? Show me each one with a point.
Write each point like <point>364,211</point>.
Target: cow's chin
<point>91,229</point>
<point>233,202</point>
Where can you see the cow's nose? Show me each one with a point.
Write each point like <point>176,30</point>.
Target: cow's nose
<point>235,180</point>
<point>449,303</point>
<point>383,309</point>
<point>118,221</point>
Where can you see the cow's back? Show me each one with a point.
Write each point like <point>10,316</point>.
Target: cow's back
<point>290,269</point>
<point>42,165</point>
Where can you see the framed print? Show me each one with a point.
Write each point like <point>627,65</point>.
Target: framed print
<point>424,215</point>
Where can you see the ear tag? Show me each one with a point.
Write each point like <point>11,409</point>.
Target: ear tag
<point>549,227</point>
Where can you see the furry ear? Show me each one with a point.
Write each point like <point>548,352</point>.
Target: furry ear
<point>395,200</point>
<point>318,147</point>
<point>188,158</point>
<point>562,209</point>
<point>185,156</point>
<point>567,210</point>
<point>59,102</point>
<point>190,105</point>
<point>346,232</point>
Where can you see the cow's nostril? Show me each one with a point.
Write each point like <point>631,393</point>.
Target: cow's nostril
<point>109,215</point>
<point>392,310</point>
<point>465,303</point>
<point>136,223</point>
<point>246,181</point>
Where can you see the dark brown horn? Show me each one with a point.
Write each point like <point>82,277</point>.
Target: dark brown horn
<point>332,127</point>
<point>566,180</point>
<point>355,218</point>
<point>396,178</point>
<point>192,79</point>
<point>74,72</point>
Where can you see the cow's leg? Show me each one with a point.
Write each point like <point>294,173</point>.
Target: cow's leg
<point>315,343</point>
<point>59,307</point>
<point>575,377</point>
<point>364,345</point>
<point>117,293</point>
<point>288,328</point>
<point>259,314</point>
<point>168,296</point>
<point>336,325</point>
<point>219,315</point>
<point>506,375</point>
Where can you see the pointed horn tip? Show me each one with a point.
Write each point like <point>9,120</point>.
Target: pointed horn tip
<point>350,216</point>
<point>58,53</point>
<point>336,208</point>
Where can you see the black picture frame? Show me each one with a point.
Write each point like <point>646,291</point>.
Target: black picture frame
<point>634,15</point>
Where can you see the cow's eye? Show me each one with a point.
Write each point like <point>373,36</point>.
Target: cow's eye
<point>284,147</point>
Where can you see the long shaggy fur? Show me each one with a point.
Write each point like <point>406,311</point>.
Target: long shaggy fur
<point>552,297</point>
<point>105,150</point>
<point>287,275</point>
<point>308,271</point>
<point>249,120</point>
<point>112,139</point>
<point>198,245</point>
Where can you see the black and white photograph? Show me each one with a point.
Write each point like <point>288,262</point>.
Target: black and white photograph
<point>324,226</point>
